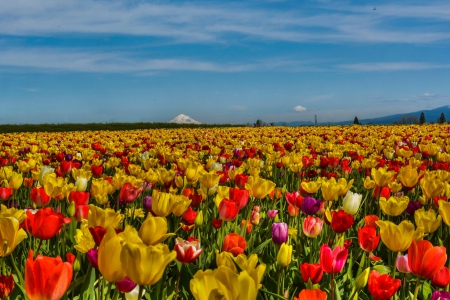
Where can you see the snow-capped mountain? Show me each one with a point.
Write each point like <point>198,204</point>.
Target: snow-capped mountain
<point>183,119</point>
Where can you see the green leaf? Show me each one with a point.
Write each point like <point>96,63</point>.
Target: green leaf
<point>426,290</point>
<point>382,269</point>
<point>259,249</point>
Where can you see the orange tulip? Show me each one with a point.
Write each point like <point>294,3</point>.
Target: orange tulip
<point>425,260</point>
<point>47,277</point>
<point>311,295</point>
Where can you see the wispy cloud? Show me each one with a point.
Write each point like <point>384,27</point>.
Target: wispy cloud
<point>393,66</point>
<point>299,108</point>
<point>218,22</point>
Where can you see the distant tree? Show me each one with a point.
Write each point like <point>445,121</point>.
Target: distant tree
<point>356,121</point>
<point>408,120</point>
<point>441,119</point>
<point>272,123</point>
<point>422,118</point>
<point>260,123</point>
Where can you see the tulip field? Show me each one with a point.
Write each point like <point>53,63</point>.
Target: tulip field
<point>339,212</point>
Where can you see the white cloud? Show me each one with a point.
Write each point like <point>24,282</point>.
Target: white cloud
<point>238,107</point>
<point>299,108</point>
<point>393,66</point>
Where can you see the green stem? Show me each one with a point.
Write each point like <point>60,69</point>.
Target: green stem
<point>394,264</point>
<point>178,282</point>
<point>141,288</point>
<point>416,289</point>
<point>279,279</point>
<point>353,294</point>
<point>332,286</point>
<point>272,294</point>
<point>108,291</point>
<point>116,293</point>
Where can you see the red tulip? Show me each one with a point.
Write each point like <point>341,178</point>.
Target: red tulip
<point>65,167</point>
<point>382,287</point>
<point>332,261</point>
<point>125,285</point>
<point>239,196</point>
<point>216,223</point>
<point>234,243</point>
<point>228,210</point>
<point>425,260</point>
<point>368,238</point>
<point>311,271</point>
<point>129,192</point>
<point>39,196</point>
<point>81,200</point>
<point>97,171</point>
<point>442,278</point>
<point>341,221</point>
<point>241,180</point>
<point>6,286</point>
<point>45,223</point>
<point>47,277</point>
<point>189,216</point>
<point>5,193</point>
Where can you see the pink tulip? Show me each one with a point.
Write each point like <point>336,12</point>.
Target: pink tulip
<point>312,227</point>
<point>332,261</point>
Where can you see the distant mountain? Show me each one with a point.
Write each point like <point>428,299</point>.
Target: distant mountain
<point>431,116</point>
<point>183,119</point>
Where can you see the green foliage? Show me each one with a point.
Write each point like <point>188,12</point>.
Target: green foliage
<point>68,127</point>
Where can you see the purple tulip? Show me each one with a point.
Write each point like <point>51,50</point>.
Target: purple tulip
<point>279,233</point>
<point>412,207</point>
<point>442,295</point>
<point>147,203</point>
<point>310,206</point>
<point>125,285</point>
<point>92,256</point>
<point>68,157</point>
<point>272,213</point>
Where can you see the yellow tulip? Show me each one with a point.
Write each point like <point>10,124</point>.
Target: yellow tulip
<point>369,163</point>
<point>83,238</point>
<point>394,206</point>
<point>181,204</point>
<point>330,189</point>
<point>284,256</point>
<point>397,238</point>
<point>109,252</point>
<point>408,176</point>
<point>431,188</point>
<point>10,234</point>
<point>53,185</point>
<point>259,187</point>
<point>19,214</point>
<point>244,263</point>
<point>223,283</point>
<point>395,186</point>
<point>165,176</point>
<point>381,176</point>
<point>24,166</point>
<point>427,220</point>
<point>443,175</point>
<point>369,183</point>
<point>344,187</point>
<point>444,211</point>
<point>154,230</point>
<point>162,203</point>
<point>6,172</point>
<point>81,173</point>
<point>104,217</point>
<point>136,258</point>
<point>311,187</point>
<point>210,179</point>
<point>15,181</point>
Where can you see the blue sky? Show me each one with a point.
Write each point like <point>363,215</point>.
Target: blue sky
<point>221,61</point>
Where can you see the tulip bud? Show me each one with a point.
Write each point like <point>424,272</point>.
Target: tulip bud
<point>76,265</point>
<point>284,256</point>
<point>279,233</point>
<point>362,279</point>
<point>272,213</point>
<point>71,209</point>
<point>199,219</point>
<point>402,264</point>
<point>352,202</point>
